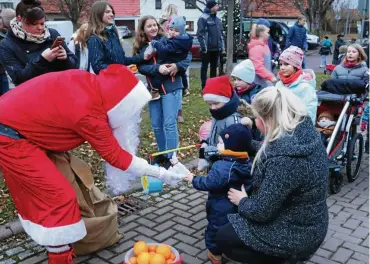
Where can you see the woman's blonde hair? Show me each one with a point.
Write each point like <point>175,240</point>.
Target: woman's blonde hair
<point>362,55</point>
<point>280,111</point>
<point>96,25</point>
<point>170,11</point>
<point>140,37</point>
<point>80,35</point>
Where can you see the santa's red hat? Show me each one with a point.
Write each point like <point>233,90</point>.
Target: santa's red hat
<point>218,89</point>
<point>122,93</point>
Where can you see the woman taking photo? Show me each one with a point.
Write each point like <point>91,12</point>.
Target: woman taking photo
<point>163,112</point>
<point>286,216</point>
<point>26,50</point>
<point>103,40</point>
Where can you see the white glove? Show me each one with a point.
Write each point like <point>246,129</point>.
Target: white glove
<point>202,164</point>
<point>169,177</point>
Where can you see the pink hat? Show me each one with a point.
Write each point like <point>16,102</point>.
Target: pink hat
<point>293,56</point>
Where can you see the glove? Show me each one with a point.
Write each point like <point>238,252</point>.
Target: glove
<point>363,126</point>
<point>169,177</point>
<point>149,52</point>
<point>202,164</point>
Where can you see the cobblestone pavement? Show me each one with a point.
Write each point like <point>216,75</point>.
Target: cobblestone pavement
<point>178,218</point>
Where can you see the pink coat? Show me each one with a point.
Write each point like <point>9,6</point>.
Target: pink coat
<point>260,55</point>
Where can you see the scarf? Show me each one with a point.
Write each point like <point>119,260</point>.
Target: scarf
<point>290,79</point>
<point>19,32</point>
<point>244,90</point>
<point>235,154</point>
<point>227,110</point>
<point>350,65</point>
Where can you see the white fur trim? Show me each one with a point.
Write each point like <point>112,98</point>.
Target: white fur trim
<point>133,102</point>
<point>58,249</point>
<point>54,236</point>
<point>215,98</point>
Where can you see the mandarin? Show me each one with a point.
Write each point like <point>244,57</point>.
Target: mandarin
<point>173,256</point>
<point>143,258</point>
<point>132,260</point>
<point>152,248</point>
<point>169,261</point>
<point>157,259</point>
<point>164,250</point>
<point>140,247</point>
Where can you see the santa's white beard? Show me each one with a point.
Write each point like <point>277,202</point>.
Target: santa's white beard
<point>127,135</point>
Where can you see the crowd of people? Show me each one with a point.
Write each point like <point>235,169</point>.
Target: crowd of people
<point>266,162</point>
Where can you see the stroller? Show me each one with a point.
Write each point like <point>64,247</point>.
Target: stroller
<point>345,100</point>
<point>329,69</point>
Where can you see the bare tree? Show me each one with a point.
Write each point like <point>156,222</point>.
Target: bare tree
<point>73,9</point>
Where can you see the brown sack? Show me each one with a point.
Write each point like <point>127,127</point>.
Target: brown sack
<point>98,211</point>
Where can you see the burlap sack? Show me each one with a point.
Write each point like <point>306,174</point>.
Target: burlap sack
<point>98,211</point>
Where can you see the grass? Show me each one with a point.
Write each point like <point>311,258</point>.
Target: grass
<point>195,112</point>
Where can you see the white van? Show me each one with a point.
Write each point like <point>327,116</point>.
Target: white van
<point>64,27</point>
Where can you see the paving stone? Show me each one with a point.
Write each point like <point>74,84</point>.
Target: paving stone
<point>366,242</point>
<point>146,231</point>
<point>158,199</point>
<point>320,260</point>
<point>31,244</point>
<point>122,247</point>
<point>129,218</point>
<point>146,222</point>
<point>186,239</point>
<point>127,227</point>
<point>340,229</point>
<point>353,261</point>
<point>191,191</point>
<point>118,259</point>
<point>183,188</point>
<point>361,232</point>
<point>197,202</point>
<point>335,208</point>
<point>164,218</point>
<point>164,210</point>
<point>180,206</point>
<point>164,235</point>
<point>352,224</point>
<point>145,238</point>
<point>148,210</point>
<point>191,260</point>
<point>184,201</point>
<point>195,196</point>
<point>33,260</point>
<point>166,196</point>
<point>332,244</point>
<point>174,192</point>
<point>203,255</point>
<point>151,216</point>
<point>201,244</point>
<point>81,259</point>
<point>25,254</point>
<point>129,235</point>
<point>13,251</point>
<point>96,261</point>
<point>164,226</point>
<point>359,201</point>
<point>105,254</point>
<point>356,248</point>
<point>342,255</point>
<point>347,238</point>
<point>192,251</point>
<point>323,253</point>
<point>183,221</point>
<point>181,213</point>
<point>8,261</point>
<point>361,257</point>
<point>201,224</point>
<point>179,196</point>
<point>184,229</point>
<point>199,216</point>
<point>198,209</point>
<point>164,203</point>
<point>172,242</point>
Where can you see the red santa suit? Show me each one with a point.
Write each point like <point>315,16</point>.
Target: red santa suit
<point>58,112</point>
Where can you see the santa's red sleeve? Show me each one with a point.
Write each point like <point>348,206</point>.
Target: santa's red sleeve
<point>96,130</point>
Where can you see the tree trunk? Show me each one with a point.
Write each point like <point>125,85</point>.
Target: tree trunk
<point>230,36</point>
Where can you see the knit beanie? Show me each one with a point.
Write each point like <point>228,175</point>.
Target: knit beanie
<point>218,89</point>
<point>238,137</point>
<point>293,56</point>
<point>211,3</point>
<point>178,23</point>
<point>244,71</point>
<point>262,21</point>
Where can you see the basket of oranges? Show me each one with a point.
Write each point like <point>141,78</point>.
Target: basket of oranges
<point>152,253</point>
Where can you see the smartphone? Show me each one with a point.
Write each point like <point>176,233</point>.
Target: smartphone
<point>57,42</point>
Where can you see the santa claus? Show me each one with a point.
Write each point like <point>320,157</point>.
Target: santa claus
<point>58,112</point>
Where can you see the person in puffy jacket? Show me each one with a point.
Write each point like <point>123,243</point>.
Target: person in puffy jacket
<point>211,40</point>
<point>286,216</point>
<point>297,36</point>
<point>103,40</point>
<point>260,54</point>
<point>233,170</point>
<point>301,82</point>
<point>26,50</point>
<point>353,65</point>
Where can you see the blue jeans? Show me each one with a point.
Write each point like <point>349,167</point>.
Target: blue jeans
<point>163,115</point>
<point>323,60</point>
<point>4,84</point>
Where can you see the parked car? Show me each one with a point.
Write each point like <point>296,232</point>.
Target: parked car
<point>313,41</point>
<point>195,49</point>
<point>124,31</point>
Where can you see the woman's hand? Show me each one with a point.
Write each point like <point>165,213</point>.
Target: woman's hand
<point>163,70</point>
<point>62,53</point>
<point>50,54</point>
<point>189,178</point>
<point>235,196</point>
<point>172,68</point>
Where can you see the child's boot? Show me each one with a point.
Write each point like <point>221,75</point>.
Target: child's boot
<point>180,118</point>
<point>61,258</point>
<point>214,259</point>
<point>155,94</point>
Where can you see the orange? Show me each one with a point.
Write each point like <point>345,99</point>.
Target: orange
<point>132,260</point>
<point>152,248</point>
<point>173,256</point>
<point>169,261</point>
<point>157,259</point>
<point>140,247</point>
<point>143,258</point>
<point>164,250</point>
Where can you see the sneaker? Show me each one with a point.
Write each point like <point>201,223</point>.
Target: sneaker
<point>322,66</point>
<point>156,96</point>
<point>214,259</point>
<point>186,92</point>
<point>180,119</point>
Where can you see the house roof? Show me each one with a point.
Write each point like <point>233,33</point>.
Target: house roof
<point>282,8</point>
<point>121,7</point>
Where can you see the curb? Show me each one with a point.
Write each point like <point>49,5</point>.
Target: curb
<point>14,228</point>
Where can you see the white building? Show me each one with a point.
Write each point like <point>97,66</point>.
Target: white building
<point>8,3</point>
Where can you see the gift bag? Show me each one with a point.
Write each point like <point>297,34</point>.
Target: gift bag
<point>98,211</point>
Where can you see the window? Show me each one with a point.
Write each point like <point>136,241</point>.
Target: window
<point>190,4</point>
<point>158,4</point>
<point>6,5</point>
<point>190,25</point>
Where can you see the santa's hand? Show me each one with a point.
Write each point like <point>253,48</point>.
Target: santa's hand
<point>169,177</point>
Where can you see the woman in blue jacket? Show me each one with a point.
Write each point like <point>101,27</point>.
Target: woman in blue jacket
<point>163,112</point>
<point>103,40</point>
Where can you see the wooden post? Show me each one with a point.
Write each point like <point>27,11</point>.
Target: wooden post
<point>230,36</point>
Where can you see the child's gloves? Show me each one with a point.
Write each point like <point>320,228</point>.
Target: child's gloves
<point>149,52</point>
<point>202,163</point>
<point>363,126</point>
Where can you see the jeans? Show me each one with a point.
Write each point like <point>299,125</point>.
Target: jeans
<point>304,62</point>
<point>323,60</point>
<point>211,57</point>
<point>163,116</point>
<point>4,84</point>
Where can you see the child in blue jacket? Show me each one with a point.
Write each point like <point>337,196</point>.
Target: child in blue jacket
<point>233,170</point>
<point>171,50</point>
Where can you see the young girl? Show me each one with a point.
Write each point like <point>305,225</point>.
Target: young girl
<point>260,54</point>
<point>301,82</point>
<point>233,170</point>
<point>353,65</point>
<point>325,50</point>
<point>223,104</point>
